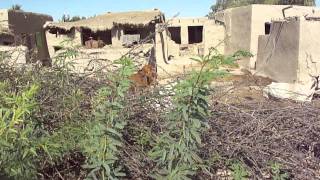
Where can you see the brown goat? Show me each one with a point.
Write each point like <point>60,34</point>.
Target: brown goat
<point>144,78</point>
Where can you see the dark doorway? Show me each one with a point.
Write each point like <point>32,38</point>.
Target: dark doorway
<point>6,40</point>
<point>175,33</point>
<point>131,36</point>
<point>144,32</point>
<point>104,36</point>
<point>267,27</point>
<point>195,34</point>
<point>131,31</point>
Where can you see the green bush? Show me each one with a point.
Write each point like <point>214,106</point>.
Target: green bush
<point>276,172</point>
<point>238,171</point>
<point>176,150</point>
<point>104,132</point>
<point>18,145</point>
<point>29,97</point>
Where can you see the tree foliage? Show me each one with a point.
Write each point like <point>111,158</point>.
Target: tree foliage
<point>224,4</point>
<point>16,7</point>
<point>67,18</point>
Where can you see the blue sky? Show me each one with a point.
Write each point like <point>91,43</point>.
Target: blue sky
<point>56,8</point>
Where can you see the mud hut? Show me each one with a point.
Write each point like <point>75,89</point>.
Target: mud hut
<point>114,29</point>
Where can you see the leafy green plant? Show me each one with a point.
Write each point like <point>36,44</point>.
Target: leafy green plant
<point>277,174</point>
<point>63,61</point>
<point>238,171</point>
<point>17,146</point>
<point>21,142</point>
<point>68,52</point>
<point>176,149</point>
<point>212,160</point>
<point>26,145</point>
<point>144,138</point>
<point>104,133</point>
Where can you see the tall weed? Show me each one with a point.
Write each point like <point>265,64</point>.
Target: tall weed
<point>104,132</point>
<point>18,145</point>
<point>25,142</point>
<point>176,150</point>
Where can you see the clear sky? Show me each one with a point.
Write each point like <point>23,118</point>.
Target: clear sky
<point>56,8</point>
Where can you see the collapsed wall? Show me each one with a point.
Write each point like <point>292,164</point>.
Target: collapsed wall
<point>180,39</point>
<point>290,56</point>
<point>58,38</point>
<point>243,25</point>
<point>26,29</point>
<point>278,52</point>
<point>290,52</point>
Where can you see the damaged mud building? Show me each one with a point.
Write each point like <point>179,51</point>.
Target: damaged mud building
<point>283,40</point>
<point>110,29</point>
<point>188,36</point>
<point>108,34</point>
<point>24,29</point>
<point>184,38</point>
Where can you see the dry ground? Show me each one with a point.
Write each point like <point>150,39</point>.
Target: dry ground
<point>259,131</point>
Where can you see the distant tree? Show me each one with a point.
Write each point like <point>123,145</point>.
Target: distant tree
<point>67,18</point>
<point>77,18</point>
<point>224,4</point>
<point>16,7</point>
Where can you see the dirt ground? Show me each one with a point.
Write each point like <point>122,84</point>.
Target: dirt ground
<point>174,68</point>
<point>246,88</point>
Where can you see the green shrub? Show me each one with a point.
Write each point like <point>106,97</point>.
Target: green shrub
<point>238,171</point>
<point>27,103</point>
<point>18,145</point>
<point>176,150</point>
<point>104,132</point>
<point>277,174</point>
<point>143,138</point>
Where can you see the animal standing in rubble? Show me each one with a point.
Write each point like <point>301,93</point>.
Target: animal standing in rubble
<point>144,78</point>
